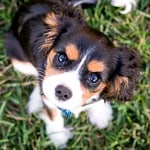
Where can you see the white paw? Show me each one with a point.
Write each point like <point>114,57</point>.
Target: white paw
<point>56,131</point>
<point>61,138</point>
<point>35,101</point>
<point>100,114</point>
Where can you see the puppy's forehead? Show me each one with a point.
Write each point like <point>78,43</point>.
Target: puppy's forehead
<point>84,52</point>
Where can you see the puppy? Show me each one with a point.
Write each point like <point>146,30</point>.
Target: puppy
<point>77,67</point>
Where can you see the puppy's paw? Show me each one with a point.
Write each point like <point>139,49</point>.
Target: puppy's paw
<point>58,134</point>
<point>101,114</point>
<point>61,138</point>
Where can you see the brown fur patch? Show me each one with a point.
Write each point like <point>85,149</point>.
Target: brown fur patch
<point>96,66</point>
<point>101,87</point>
<point>51,21</point>
<point>87,93</point>
<point>51,56</point>
<point>49,69</point>
<point>119,81</point>
<point>114,89</point>
<point>72,52</point>
<point>50,112</point>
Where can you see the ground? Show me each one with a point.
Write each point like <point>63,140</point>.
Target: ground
<point>130,128</point>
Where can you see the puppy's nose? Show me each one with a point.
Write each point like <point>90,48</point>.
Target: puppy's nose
<point>62,93</point>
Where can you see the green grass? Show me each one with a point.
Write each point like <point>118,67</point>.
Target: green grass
<point>130,128</point>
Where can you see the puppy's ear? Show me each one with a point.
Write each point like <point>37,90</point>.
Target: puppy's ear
<point>126,75</point>
<point>51,31</point>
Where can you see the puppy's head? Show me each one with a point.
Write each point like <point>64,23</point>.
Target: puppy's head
<point>82,64</point>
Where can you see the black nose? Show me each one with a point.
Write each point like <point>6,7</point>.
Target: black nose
<point>62,93</point>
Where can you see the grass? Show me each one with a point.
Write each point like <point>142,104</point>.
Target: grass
<point>130,128</point>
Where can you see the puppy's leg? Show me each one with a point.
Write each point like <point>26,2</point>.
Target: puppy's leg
<point>17,55</point>
<point>35,101</point>
<point>100,114</point>
<point>24,67</point>
<point>55,129</point>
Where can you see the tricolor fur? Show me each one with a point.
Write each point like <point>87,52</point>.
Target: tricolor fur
<point>74,64</point>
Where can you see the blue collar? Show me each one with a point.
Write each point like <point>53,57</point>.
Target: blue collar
<point>66,113</point>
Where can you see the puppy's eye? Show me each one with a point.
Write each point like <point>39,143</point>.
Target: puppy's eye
<point>93,77</point>
<point>93,80</point>
<point>62,58</point>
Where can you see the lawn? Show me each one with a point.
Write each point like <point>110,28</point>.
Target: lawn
<point>130,128</point>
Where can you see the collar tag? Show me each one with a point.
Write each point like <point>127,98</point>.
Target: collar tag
<point>66,113</point>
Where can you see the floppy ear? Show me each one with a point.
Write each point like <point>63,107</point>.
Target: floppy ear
<point>126,75</point>
<point>51,32</point>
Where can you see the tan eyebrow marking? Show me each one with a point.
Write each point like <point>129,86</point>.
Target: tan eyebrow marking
<point>96,66</point>
<point>72,52</point>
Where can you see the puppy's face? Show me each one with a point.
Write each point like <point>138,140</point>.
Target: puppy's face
<point>75,73</point>
<point>82,64</point>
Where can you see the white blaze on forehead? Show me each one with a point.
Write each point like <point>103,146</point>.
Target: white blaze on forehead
<point>89,51</point>
<point>81,63</point>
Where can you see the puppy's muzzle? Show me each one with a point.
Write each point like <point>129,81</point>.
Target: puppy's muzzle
<point>62,93</point>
